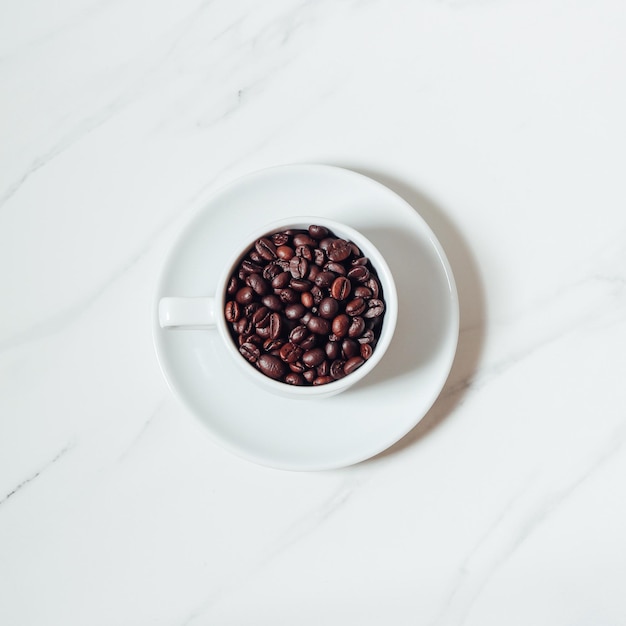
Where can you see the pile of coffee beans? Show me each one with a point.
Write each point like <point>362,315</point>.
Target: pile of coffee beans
<point>304,306</point>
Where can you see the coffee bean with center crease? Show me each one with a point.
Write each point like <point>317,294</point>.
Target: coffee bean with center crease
<point>339,250</point>
<point>357,326</point>
<point>298,267</point>
<point>250,352</point>
<point>266,248</point>
<point>290,352</point>
<point>299,334</point>
<point>356,306</point>
<point>340,289</point>
<point>271,366</point>
<point>352,364</point>
<point>232,311</point>
<point>233,286</point>
<point>360,274</point>
<point>375,308</point>
<point>336,369</point>
<point>275,325</point>
<point>261,317</point>
<point>258,284</point>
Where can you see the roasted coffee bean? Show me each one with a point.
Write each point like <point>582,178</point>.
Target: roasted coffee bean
<point>362,292</point>
<point>264,332</point>
<point>290,352</point>
<point>323,380</point>
<point>366,350</point>
<point>233,286</point>
<point>357,326</point>
<point>280,281</point>
<point>367,336</point>
<point>258,284</point>
<point>300,284</point>
<point>339,250</point>
<point>271,270</point>
<point>244,295</point>
<point>361,260</point>
<point>261,317</point>
<point>309,342</point>
<point>350,348</point>
<point>336,369</point>
<point>307,299</point>
<point>375,308</point>
<point>318,325</point>
<point>275,325</point>
<point>317,293</point>
<point>355,249</point>
<point>297,366</point>
<point>272,302</point>
<point>299,334</point>
<point>232,311</point>
<point>303,239</point>
<point>250,352</point>
<point>340,325</point>
<point>252,308</point>
<point>294,379</point>
<point>333,350</point>
<point>340,289</point>
<point>285,252</point>
<point>299,267</point>
<point>271,366</point>
<point>312,358</point>
<point>288,295</point>
<point>248,267</point>
<point>356,306</point>
<point>323,369</point>
<point>324,279</point>
<point>372,283</point>
<point>271,345</point>
<point>280,239</point>
<point>314,270</point>
<point>305,252</point>
<point>319,257</point>
<point>328,308</point>
<point>243,326</point>
<point>352,364</point>
<point>266,248</point>
<point>360,274</point>
<point>255,257</point>
<point>309,375</point>
<point>325,243</point>
<point>306,317</point>
<point>295,311</point>
<point>318,232</point>
<point>336,268</point>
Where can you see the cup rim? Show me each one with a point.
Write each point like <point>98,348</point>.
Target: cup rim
<point>384,274</point>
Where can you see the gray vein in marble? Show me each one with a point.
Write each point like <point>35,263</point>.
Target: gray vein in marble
<point>136,439</point>
<point>38,473</point>
<point>294,534</point>
<point>141,85</point>
<point>518,521</point>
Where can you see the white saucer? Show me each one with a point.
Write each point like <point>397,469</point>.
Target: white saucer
<point>379,410</point>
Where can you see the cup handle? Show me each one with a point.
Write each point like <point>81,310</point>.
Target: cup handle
<point>188,313</point>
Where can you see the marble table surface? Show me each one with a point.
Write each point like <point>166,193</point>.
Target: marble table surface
<point>502,123</point>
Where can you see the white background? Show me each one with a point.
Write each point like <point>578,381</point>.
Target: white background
<point>502,122</point>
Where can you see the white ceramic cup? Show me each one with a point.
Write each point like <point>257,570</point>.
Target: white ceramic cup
<point>178,312</point>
